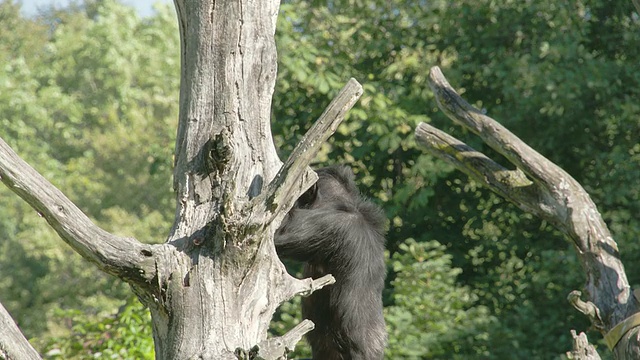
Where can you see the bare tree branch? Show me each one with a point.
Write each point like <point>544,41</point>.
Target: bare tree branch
<point>551,194</point>
<point>123,257</point>
<point>491,132</point>
<point>293,336</point>
<point>13,345</point>
<point>286,186</point>
<point>587,308</point>
<point>510,184</point>
<point>307,286</point>
<point>274,348</point>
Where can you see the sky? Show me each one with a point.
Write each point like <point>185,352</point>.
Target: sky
<point>144,7</point>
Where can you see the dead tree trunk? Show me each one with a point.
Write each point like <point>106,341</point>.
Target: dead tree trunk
<point>215,283</point>
<point>538,186</point>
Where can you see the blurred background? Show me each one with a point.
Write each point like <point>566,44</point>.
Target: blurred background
<point>35,7</point>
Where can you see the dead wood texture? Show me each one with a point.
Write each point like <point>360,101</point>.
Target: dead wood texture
<point>538,186</point>
<point>13,344</point>
<point>214,284</point>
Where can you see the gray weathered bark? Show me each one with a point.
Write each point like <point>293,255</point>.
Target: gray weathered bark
<point>215,283</point>
<point>540,187</point>
<point>13,344</point>
<point>582,350</point>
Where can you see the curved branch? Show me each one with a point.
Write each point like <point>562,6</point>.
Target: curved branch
<point>587,308</point>
<point>123,257</point>
<point>13,345</point>
<point>560,199</point>
<point>510,184</point>
<point>491,132</point>
<point>286,187</point>
<point>552,195</point>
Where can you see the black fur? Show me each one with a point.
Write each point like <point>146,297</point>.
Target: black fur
<point>335,231</point>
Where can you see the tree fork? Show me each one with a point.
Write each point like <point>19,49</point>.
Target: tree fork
<point>538,186</point>
<point>224,280</point>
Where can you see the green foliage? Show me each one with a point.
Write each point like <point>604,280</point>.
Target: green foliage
<point>431,316</point>
<point>125,335</point>
<point>88,97</point>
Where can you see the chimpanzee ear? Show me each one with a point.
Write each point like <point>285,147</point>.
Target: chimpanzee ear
<point>308,197</point>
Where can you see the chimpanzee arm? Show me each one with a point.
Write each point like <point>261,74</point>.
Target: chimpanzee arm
<point>310,234</point>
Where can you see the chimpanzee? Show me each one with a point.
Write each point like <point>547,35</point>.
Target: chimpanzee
<point>335,231</point>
